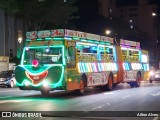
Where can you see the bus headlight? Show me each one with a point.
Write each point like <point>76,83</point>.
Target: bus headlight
<point>27,83</point>
<point>156,76</point>
<point>45,84</point>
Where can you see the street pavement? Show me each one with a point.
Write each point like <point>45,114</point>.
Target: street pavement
<point>120,101</point>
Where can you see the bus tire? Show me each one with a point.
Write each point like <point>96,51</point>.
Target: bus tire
<point>115,85</point>
<point>45,92</point>
<point>138,80</point>
<point>81,90</point>
<point>110,82</point>
<point>21,87</point>
<point>82,85</point>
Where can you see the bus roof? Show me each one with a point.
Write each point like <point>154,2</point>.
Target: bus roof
<point>66,33</point>
<point>75,35</point>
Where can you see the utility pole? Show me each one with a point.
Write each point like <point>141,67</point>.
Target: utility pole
<point>155,44</point>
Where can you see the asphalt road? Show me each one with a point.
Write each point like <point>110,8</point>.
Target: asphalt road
<point>104,103</point>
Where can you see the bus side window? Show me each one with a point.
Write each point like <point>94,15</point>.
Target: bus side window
<point>71,58</point>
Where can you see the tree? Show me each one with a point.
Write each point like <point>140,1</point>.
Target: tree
<point>46,14</point>
<point>9,6</point>
<point>41,14</point>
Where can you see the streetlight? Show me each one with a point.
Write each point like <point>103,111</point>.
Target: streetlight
<point>20,36</point>
<point>154,14</point>
<point>155,36</point>
<point>20,39</point>
<point>107,32</point>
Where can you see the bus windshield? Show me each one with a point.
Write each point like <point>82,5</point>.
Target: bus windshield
<point>51,55</point>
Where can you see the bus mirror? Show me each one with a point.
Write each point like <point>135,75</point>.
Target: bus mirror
<point>68,59</point>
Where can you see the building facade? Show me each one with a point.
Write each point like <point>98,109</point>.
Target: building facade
<point>10,26</point>
<point>137,14</point>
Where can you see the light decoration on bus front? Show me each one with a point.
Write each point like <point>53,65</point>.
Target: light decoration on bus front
<point>38,78</point>
<point>35,63</point>
<point>96,67</point>
<point>27,48</point>
<point>37,47</point>
<point>54,85</point>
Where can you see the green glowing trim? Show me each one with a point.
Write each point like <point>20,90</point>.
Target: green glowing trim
<point>22,59</point>
<point>83,40</point>
<point>76,38</point>
<point>102,43</point>
<point>64,62</point>
<point>32,71</point>
<point>41,70</point>
<point>86,46</point>
<point>67,38</point>
<point>28,39</point>
<point>91,41</point>
<point>58,38</point>
<point>23,83</point>
<point>107,43</point>
<point>48,38</point>
<point>39,38</point>
<point>39,84</point>
<point>96,42</point>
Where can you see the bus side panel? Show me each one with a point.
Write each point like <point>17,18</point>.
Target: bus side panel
<point>97,79</point>
<point>72,80</point>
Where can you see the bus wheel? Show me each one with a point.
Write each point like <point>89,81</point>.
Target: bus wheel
<point>81,90</point>
<point>115,85</point>
<point>138,80</point>
<point>45,92</point>
<point>150,81</point>
<point>131,84</point>
<point>110,83</point>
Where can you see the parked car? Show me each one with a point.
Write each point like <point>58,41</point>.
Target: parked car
<point>7,78</point>
<point>154,76</point>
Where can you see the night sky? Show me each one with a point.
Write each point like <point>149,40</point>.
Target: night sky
<point>90,21</point>
<point>89,17</point>
<point>121,3</point>
<point>88,9</point>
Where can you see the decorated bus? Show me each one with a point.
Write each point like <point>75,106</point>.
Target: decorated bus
<point>67,60</point>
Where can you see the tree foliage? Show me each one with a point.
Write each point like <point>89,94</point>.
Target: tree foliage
<point>9,6</point>
<point>47,13</point>
<point>41,14</point>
